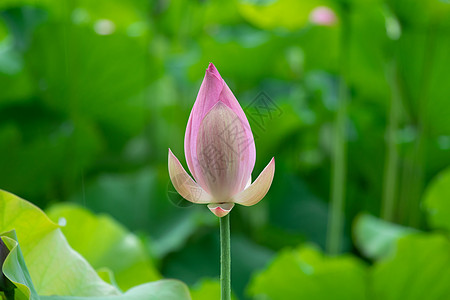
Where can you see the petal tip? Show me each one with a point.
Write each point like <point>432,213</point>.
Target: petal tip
<point>172,157</point>
<point>213,70</point>
<point>211,67</point>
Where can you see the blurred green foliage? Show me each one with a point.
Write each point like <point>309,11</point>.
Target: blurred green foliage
<point>92,93</point>
<point>311,276</point>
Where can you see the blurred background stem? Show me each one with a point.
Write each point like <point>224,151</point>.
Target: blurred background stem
<point>338,180</point>
<point>391,162</point>
<point>415,216</point>
<point>414,169</point>
<point>225,258</point>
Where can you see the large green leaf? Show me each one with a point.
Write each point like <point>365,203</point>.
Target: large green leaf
<point>101,240</point>
<point>49,267</point>
<point>15,269</point>
<point>306,273</point>
<point>437,200</point>
<point>55,268</point>
<point>376,238</point>
<point>420,269</point>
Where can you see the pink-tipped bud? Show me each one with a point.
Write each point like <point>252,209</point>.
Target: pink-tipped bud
<point>219,147</point>
<point>220,152</point>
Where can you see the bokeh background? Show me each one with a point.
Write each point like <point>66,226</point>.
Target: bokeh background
<point>93,93</point>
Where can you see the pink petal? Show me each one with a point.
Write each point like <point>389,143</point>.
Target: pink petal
<point>220,209</point>
<point>207,97</point>
<point>259,188</point>
<point>214,90</point>
<point>184,184</point>
<point>222,153</point>
<point>246,135</point>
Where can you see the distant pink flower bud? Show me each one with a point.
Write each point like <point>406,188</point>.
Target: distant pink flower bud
<point>220,152</point>
<point>323,15</point>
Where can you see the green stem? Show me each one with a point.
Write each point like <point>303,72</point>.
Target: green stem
<point>225,258</point>
<point>392,157</point>
<point>424,98</point>
<point>414,182</point>
<point>336,215</point>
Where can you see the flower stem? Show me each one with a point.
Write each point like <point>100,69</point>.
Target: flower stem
<point>225,258</point>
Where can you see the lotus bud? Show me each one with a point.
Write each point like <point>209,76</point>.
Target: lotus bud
<point>220,152</point>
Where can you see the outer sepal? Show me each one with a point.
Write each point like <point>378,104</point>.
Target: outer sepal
<point>184,184</point>
<point>259,188</point>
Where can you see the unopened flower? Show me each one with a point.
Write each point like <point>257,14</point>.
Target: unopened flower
<point>323,15</point>
<point>220,152</point>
